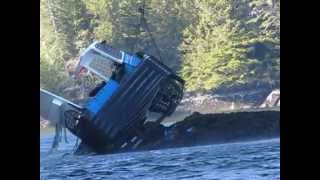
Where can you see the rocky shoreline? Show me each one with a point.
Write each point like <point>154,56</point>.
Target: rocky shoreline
<point>212,119</point>
<point>200,129</point>
<point>212,128</point>
<point>220,102</point>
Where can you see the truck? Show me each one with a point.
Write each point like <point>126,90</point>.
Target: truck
<point>126,110</point>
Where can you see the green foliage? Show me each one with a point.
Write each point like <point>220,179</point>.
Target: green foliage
<point>221,46</point>
<point>50,76</point>
<point>215,48</point>
<point>101,21</point>
<point>63,33</point>
<point>266,18</point>
<point>211,43</point>
<point>52,51</point>
<point>70,18</point>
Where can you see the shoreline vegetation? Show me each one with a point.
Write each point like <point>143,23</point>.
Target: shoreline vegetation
<point>228,52</point>
<point>214,45</point>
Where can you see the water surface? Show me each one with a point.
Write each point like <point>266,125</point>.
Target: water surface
<point>235,161</point>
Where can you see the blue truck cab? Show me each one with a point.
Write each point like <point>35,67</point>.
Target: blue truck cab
<point>100,58</point>
<point>114,119</point>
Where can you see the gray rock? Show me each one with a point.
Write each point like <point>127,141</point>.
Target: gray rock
<point>272,100</point>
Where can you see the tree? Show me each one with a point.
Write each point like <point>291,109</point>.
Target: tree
<point>214,48</point>
<point>211,43</point>
<point>71,20</point>
<point>52,51</point>
<point>102,18</point>
<point>265,17</point>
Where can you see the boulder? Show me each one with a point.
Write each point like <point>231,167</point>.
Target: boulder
<point>272,100</point>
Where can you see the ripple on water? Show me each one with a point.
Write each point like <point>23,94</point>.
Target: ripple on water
<point>103,173</point>
<point>78,172</point>
<point>249,160</point>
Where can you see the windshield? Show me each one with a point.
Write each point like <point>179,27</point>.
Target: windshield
<point>97,64</point>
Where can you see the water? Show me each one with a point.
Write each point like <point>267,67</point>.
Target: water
<point>235,161</point>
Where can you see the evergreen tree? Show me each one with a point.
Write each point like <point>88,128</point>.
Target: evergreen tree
<point>52,50</point>
<point>214,48</point>
<point>212,43</point>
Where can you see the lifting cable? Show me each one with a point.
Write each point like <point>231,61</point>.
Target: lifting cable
<point>143,23</point>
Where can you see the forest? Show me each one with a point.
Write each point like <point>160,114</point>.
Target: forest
<point>210,43</point>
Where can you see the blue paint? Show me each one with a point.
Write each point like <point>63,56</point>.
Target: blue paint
<point>131,60</point>
<point>129,69</point>
<point>102,97</point>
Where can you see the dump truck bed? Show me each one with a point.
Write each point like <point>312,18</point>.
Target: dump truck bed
<point>52,106</point>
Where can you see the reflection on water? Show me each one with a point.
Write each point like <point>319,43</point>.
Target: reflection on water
<point>248,160</point>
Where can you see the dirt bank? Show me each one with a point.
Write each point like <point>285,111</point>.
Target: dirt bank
<point>200,129</point>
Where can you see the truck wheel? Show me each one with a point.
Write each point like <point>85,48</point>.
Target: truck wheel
<point>168,98</point>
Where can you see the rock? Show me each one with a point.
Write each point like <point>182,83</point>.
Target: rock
<point>232,106</point>
<point>225,99</point>
<point>272,100</point>
<point>44,123</point>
